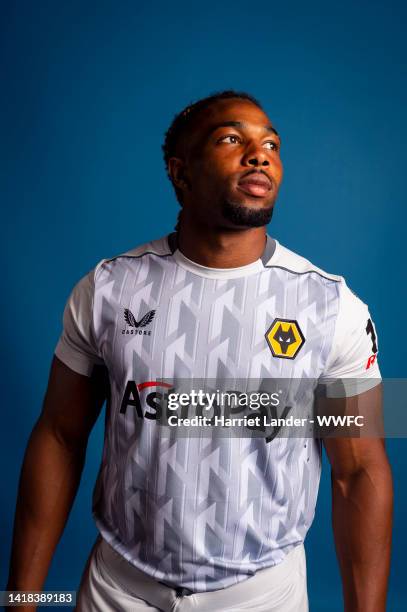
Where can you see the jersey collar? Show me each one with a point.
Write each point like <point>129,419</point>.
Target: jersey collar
<point>222,273</point>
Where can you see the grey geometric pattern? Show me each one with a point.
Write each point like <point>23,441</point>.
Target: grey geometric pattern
<point>205,512</point>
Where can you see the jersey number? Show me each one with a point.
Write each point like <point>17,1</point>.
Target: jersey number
<point>370,330</point>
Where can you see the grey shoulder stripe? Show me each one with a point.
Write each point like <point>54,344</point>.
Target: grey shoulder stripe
<point>172,244</point>
<point>269,250</point>
<point>335,280</point>
<point>148,253</point>
<point>138,256</point>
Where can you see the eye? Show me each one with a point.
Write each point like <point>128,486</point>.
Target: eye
<point>273,145</point>
<point>233,139</point>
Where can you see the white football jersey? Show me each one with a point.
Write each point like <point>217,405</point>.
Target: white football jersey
<point>204,512</point>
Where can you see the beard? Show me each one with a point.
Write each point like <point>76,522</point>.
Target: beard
<point>244,216</point>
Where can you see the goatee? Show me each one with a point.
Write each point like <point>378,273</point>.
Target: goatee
<point>245,216</point>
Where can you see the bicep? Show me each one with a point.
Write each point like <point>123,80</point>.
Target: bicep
<point>363,447</point>
<point>73,401</point>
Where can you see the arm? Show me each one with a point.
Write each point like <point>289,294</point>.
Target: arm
<point>362,504</point>
<point>52,470</point>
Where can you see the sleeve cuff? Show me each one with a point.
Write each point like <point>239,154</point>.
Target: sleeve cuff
<point>79,363</point>
<point>348,387</point>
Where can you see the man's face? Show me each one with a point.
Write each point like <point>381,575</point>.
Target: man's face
<point>231,166</point>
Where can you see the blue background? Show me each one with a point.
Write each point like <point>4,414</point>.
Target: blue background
<point>88,90</point>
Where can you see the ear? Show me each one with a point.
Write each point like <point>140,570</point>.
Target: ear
<point>178,174</point>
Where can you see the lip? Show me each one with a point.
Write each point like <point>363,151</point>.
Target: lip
<point>255,176</point>
<point>255,184</point>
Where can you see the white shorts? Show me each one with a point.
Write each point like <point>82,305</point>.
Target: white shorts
<point>110,583</point>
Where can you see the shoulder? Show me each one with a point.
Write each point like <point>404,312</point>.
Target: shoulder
<point>157,247</point>
<point>294,263</point>
<point>350,304</point>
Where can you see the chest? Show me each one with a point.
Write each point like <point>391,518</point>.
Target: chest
<point>178,324</point>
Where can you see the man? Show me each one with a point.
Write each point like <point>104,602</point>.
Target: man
<point>208,521</point>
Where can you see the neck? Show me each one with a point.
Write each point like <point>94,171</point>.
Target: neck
<point>221,248</point>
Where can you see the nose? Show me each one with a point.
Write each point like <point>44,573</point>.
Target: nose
<point>254,161</point>
<point>255,156</point>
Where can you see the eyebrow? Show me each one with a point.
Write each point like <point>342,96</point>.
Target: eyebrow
<point>240,124</point>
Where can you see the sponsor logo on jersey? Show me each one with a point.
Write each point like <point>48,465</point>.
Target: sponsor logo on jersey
<point>149,400</point>
<point>131,397</point>
<point>135,326</point>
<point>285,338</point>
<point>370,361</point>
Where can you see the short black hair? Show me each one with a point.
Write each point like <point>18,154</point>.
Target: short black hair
<point>185,120</point>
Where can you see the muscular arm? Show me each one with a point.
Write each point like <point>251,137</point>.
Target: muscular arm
<point>362,504</point>
<point>52,470</point>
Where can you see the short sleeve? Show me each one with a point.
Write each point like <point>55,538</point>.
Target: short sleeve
<point>352,365</point>
<point>76,346</point>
